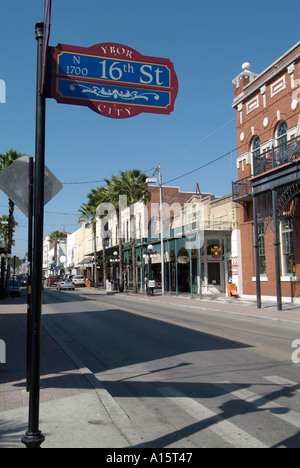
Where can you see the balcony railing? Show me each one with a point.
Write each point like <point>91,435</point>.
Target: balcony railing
<point>242,189</point>
<point>285,153</point>
<point>275,157</point>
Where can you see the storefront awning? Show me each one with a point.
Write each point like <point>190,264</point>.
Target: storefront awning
<point>86,260</point>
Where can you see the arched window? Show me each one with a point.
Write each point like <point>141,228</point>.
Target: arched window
<point>281,133</point>
<point>255,147</point>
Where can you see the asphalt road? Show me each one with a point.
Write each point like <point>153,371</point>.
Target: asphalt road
<point>183,377</point>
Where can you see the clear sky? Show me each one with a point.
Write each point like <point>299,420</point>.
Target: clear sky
<point>207,43</point>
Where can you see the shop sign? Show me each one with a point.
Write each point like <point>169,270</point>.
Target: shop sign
<point>216,251</point>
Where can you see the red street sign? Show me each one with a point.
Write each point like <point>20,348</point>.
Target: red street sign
<point>112,80</point>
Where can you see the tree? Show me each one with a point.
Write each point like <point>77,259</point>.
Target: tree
<point>96,198</point>
<point>88,216</point>
<point>4,229</point>
<point>114,190</point>
<point>136,190</point>
<point>6,159</point>
<point>55,238</point>
<point>133,185</point>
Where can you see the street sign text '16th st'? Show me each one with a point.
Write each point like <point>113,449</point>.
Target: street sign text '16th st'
<point>111,79</point>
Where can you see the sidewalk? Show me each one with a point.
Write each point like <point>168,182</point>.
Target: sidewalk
<point>290,312</point>
<point>69,394</point>
<point>240,305</point>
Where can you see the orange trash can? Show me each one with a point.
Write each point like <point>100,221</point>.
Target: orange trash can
<point>88,283</point>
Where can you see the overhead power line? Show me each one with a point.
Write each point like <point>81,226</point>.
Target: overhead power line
<point>167,160</point>
<point>201,167</point>
<point>82,183</point>
<point>198,142</point>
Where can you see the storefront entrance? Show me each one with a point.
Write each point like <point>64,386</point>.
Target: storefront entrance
<point>213,273</point>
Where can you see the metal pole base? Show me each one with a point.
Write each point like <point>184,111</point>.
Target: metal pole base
<point>33,439</point>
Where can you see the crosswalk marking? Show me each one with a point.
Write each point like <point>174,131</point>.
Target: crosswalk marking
<point>284,382</point>
<point>260,402</point>
<point>225,429</point>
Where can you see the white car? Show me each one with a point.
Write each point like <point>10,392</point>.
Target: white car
<point>78,280</point>
<point>65,284</point>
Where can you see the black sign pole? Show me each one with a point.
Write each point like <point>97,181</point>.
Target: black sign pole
<point>33,437</point>
<point>29,274</point>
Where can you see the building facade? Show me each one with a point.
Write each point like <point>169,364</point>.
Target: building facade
<point>49,254</point>
<point>268,161</point>
<point>195,226</point>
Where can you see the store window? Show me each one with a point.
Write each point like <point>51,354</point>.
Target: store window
<point>287,246</point>
<point>262,249</point>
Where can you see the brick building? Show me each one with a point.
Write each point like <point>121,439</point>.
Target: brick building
<point>268,187</point>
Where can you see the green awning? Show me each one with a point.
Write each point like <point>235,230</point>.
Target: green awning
<point>86,259</point>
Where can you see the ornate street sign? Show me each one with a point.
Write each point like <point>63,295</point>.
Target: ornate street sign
<point>112,80</point>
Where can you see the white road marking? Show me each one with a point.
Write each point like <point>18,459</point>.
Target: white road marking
<point>284,382</point>
<point>260,402</point>
<point>225,429</point>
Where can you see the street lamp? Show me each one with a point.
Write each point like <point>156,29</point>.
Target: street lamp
<point>153,180</point>
<point>4,255</point>
<point>149,255</point>
<point>114,262</point>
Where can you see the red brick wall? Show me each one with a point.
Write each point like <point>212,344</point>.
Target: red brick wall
<point>252,125</point>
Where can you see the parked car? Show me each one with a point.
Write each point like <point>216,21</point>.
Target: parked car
<point>52,280</point>
<point>19,278</point>
<point>14,288</point>
<point>65,284</point>
<point>79,280</point>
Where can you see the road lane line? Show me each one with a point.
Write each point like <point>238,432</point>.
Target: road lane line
<point>224,429</point>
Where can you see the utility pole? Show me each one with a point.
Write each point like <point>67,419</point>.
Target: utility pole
<point>161,234</point>
<point>153,180</point>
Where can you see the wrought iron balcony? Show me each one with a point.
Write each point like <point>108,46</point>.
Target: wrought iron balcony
<point>282,154</point>
<point>288,152</point>
<point>242,189</point>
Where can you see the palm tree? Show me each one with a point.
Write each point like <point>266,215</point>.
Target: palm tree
<point>6,159</point>
<point>4,229</point>
<point>133,185</point>
<point>88,216</point>
<point>54,238</point>
<point>136,189</point>
<point>114,190</point>
<point>96,198</point>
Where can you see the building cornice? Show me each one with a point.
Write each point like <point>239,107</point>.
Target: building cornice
<point>263,78</point>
